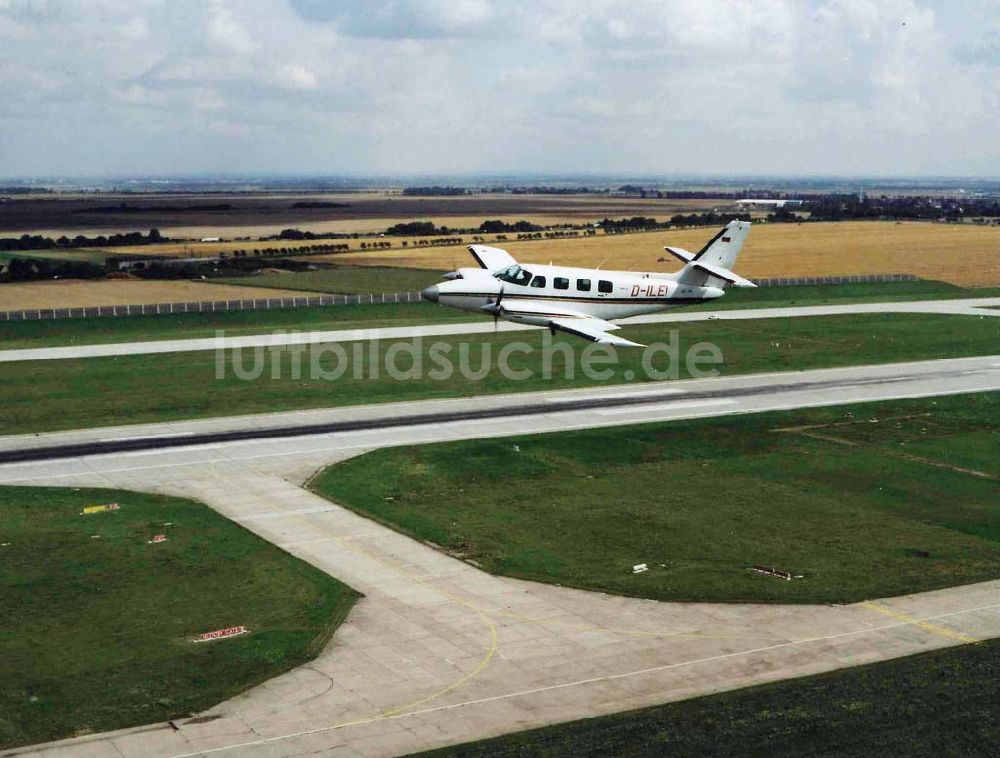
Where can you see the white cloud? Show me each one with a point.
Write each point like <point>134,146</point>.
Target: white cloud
<point>459,14</point>
<point>295,76</point>
<point>893,86</point>
<point>135,28</point>
<point>225,31</point>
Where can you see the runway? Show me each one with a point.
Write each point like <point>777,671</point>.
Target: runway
<point>963,307</point>
<point>439,652</point>
<point>368,426</point>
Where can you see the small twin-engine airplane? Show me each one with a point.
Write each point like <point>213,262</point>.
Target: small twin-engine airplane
<point>581,301</point>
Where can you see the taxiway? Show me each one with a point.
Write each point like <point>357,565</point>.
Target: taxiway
<point>439,652</point>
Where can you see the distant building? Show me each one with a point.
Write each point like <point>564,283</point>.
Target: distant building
<point>760,202</point>
<point>210,239</point>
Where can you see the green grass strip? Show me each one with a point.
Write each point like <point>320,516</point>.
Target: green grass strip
<point>96,624</point>
<point>861,501</point>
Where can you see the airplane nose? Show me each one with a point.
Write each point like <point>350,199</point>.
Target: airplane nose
<point>430,293</point>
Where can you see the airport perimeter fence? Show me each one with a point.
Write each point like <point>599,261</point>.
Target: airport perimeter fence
<point>275,303</point>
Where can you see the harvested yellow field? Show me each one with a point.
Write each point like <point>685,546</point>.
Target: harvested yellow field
<point>75,293</point>
<point>963,254</point>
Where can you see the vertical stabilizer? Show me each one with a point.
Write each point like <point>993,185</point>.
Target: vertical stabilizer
<point>723,249</point>
<point>712,265</point>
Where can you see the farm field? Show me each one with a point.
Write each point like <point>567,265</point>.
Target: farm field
<point>937,703</point>
<point>906,488</point>
<point>46,332</point>
<point>247,215</point>
<point>77,293</point>
<point>126,389</point>
<point>962,254</point>
<point>97,621</point>
<point>342,280</point>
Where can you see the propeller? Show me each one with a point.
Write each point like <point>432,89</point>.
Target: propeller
<point>495,308</point>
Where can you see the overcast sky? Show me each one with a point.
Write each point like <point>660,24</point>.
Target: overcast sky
<point>897,87</point>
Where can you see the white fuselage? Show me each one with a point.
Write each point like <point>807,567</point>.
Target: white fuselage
<point>544,292</point>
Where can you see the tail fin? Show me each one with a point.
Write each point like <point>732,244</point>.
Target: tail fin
<point>725,246</point>
<point>716,259</point>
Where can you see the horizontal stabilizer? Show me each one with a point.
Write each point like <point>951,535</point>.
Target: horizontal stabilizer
<point>723,273</point>
<point>680,252</point>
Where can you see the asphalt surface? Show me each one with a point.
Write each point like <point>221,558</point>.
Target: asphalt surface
<point>438,652</point>
<point>974,306</point>
<point>533,411</point>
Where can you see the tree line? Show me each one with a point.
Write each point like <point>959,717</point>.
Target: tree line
<point>646,223</point>
<point>33,269</point>
<point>844,207</point>
<point>435,191</point>
<point>38,242</point>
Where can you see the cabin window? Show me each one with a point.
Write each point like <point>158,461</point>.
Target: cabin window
<point>514,274</point>
<point>561,283</point>
<point>605,286</point>
<point>583,285</point>
<point>538,281</point>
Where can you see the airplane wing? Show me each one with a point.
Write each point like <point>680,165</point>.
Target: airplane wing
<point>491,258</point>
<point>593,329</point>
<point>569,321</point>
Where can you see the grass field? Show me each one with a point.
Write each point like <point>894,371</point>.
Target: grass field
<point>67,394</point>
<point>962,254</point>
<point>862,501</point>
<point>343,280</point>
<point>14,334</point>
<point>842,294</point>
<point>354,279</point>
<point>77,293</point>
<point>85,256</point>
<point>96,626</point>
<point>937,703</point>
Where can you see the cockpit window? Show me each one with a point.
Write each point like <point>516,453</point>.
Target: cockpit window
<point>514,274</point>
